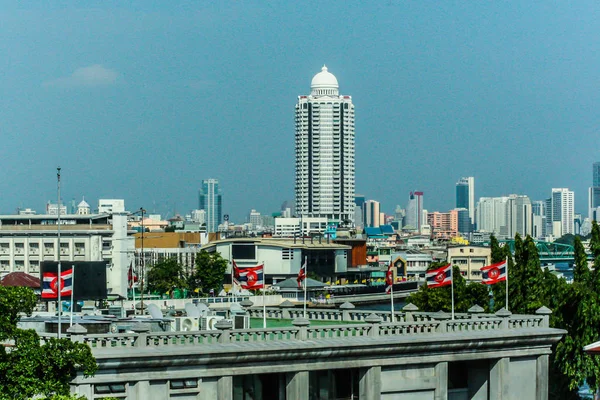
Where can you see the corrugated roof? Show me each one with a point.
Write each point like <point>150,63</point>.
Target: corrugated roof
<point>372,231</point>
<point>21,279</point>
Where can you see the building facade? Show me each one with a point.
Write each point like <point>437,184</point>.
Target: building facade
<point>325,151</point>
<point>443,225</point>
<point>470,260</point>
<point>414,212</point>
<point>371,213</point>
<point>465,195</point>
<point>211,201</point>
<point>562,212</point>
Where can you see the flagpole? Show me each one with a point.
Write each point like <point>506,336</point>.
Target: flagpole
<point>263,293</point>
<point>305,282</point>
<point>72,290</point>
<point>392,297</point>
<point>506,261</point>
<point>59,265</point>
<point>452,288</point>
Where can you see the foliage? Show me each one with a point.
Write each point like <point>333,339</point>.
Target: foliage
<point>209,272</point>
<point>166,275</point>
<point>568,238</point>
<point>28,368</point>
<point>595,239</point>
<point>465,295</point>
<point>498,253</point>
<point>580,269</point>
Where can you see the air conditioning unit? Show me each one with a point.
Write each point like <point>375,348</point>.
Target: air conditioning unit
<point>208,323</point>
<point>241,322</point>
<point>186,324</point>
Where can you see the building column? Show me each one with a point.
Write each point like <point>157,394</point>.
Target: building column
<point>225,388</point>
<point>541,377</point>
<point>141,390</point>
<point>296,387</point>
<point>499,379</point>
<point>441,381</point>
<point>369,386</point>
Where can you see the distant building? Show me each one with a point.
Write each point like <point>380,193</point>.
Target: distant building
<point>505,216</point>
<point>465,225</point>
<point>470,260</point>
<point>211,201</point>
<point>109,206</point>
<point>255,219</point>
<point>52,209</point>
<point>371,214</point>
<point>325,151</point>
<point>562,205</point>
<point>443,225</point>
<point>594,193</point>
<point>538,209</point>
<point>413,220</point>
<point>465,195</point>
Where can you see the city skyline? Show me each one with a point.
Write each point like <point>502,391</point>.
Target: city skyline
<point>129,100</point>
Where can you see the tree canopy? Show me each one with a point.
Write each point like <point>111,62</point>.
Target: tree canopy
<point>209,272</point>
<point>166,275</point>
<point>27,367</point>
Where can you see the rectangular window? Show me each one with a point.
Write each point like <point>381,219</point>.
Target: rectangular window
<point>287,254</point>
<point>243,251</point>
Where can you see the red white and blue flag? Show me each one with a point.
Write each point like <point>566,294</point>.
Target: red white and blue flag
<point>389,278</point>
<point>439,277</point>
<point>301,274</point>
<point>249,278</point>
<point>51,283</point>
<point>491,274</point>
<point>131,276</point>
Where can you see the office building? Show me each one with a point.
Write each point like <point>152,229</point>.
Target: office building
<point>465,195</point>
<point>538,210</point>
<point>562,212</point>
<point>325,151</point>
<point>371,213</point>
<point>465,226</point>
<point>413,220</point>
<point>594,193</point>
<point>519,216</point>
<point>443,225</point>
<point>210,200</point>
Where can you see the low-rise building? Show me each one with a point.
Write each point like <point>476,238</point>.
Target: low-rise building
<point>470,259</point>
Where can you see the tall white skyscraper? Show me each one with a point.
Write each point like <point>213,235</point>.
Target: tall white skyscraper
<point>325,151</point>
<point>562,212</point>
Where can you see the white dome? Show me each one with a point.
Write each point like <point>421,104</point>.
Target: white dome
<point>324,79</point>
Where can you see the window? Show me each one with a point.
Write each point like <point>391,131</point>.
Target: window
<point>287,254</point>
<point>19,265</point>
<point>243,251</point>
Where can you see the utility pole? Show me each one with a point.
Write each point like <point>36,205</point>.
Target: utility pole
<point>59,279</point>
<point>143,265</point>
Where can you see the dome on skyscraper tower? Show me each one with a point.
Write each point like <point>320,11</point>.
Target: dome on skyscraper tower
<point>324,80</point>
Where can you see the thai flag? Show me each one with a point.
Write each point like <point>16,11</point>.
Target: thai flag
<point>389,278</point>
<point>301,275</point>
<point>439,277</point>
<point>50,284</point>
<point>249,278</point>
<point>131,276</point>
<point>491,274</point>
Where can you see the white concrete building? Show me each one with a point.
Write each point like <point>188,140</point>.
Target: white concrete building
<point>491,214</point>
<point>27,240</point>
<point>562,212</point>
<point>290,227</point>
<point>109,206</point>
<point>325,151</point>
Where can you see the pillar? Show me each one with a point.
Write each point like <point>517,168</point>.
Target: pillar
<point>296,387</point>
<point>441,381</point>
<point>225,388</point>
<point>541,378</point>
<point>369,386</point>
<point>499,379</point>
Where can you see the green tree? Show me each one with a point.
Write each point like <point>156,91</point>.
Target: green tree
<point>166,275</point>
<point>29,368</point>
<point>209,272</point>
<point>497,251</point>
<point>595,239</point>
<point>580,270</point>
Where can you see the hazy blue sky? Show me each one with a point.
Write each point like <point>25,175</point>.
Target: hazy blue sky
<point>143,100</point>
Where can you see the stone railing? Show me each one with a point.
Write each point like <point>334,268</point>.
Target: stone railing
<point>373,325</point>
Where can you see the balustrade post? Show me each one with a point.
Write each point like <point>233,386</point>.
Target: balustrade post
<point>505,315</point>
<point>374,321</point>
<point>443,317</point>
<point>475,310</point>
<point>345,308</point>
<point>142,331</point>
<point>77,333</point>
<point>285,307</point>
<point>545,313</point>
<point>224,327</point>
<point>302,324</point>
<point>409,309</point>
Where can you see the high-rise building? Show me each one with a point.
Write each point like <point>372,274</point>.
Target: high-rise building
<point>325,151</point>
<point>594,193</point>
<point>464,221</point>
<point>371,213</point>
<point>210,200</point>
<point>414,212</point>
<point>562,212</point>
<point>519,218</point>
<point>505,216</point>
<point>538,209</point>
<point>254,218</point>
<point>465,195</point>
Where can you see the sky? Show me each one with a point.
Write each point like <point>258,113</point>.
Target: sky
<point>142,100</point>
